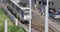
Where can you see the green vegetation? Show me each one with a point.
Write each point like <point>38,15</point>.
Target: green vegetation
<point>2,18</point>
<point>11,27</point>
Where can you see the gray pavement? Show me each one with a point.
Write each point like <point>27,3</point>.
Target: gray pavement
<point>4,1</point>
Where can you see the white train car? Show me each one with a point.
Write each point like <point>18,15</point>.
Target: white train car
<point>19,9</point>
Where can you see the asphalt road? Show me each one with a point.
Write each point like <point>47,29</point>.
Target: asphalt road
<point>56,4</point>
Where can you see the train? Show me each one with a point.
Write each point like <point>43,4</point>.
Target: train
<point>20,10</point>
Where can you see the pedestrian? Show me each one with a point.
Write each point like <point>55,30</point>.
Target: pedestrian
<point>42,7</point>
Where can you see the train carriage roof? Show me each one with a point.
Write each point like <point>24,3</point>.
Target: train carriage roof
<point>16,3</point>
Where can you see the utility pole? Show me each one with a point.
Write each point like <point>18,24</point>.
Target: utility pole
<point>30,16</point>
<point>5,26</point>
<point>16,22</point>
<point>46,17</point>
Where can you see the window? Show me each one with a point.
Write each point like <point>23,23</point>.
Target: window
<point>18,9</point>
<point>26,13</point>
<point>13,5</point>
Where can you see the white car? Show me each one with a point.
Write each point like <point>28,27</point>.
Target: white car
<point>56,15</point>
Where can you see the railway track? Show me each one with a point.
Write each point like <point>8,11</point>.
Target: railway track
<point>39,21</point>
<point>40,24</point>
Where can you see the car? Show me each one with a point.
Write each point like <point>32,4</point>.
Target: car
<point>54,15</point>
